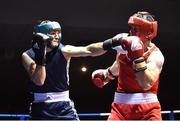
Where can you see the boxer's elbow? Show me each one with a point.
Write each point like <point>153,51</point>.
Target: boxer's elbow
<point>147,84</point>
<point>39,81</point>
<point>146,81</point>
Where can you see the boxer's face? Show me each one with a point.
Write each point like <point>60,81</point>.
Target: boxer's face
<point>55,34</point>
<point>135,30</point>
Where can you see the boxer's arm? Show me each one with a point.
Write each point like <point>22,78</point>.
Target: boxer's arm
<point>94,49</point>
<point>115,41</point>
<point>114,68</point>
<point>148,77</point>
<point>101,77</point>
<point>36,73</point>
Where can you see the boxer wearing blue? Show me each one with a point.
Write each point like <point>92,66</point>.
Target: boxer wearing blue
<point>47,64</point>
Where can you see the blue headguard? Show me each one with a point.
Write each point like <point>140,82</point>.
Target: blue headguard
<point>46,26</point>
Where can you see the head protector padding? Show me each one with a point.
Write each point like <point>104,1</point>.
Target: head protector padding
<point>46,27</point>
<point>148,26</point>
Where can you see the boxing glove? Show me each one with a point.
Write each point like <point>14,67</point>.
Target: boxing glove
<point>39,44</point>
<point>135,48</point>
<point>133,45</point>
<point>101,77</point>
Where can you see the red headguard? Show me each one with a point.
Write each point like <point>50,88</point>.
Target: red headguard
<point>147,29</point>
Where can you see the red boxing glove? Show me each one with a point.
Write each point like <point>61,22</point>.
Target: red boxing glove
<point>101,77</point>
<point>135,49</point>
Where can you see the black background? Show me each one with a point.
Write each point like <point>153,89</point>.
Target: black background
<point>83,22</point>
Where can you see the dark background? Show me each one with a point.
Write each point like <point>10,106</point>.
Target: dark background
<point>83,22</point>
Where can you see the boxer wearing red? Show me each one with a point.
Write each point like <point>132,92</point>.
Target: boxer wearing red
<point>138,66</point>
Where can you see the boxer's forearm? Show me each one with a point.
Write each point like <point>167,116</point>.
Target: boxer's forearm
<point>96,49</point>
<point>148,77</point>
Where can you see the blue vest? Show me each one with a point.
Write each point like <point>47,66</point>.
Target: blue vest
<point>57,78</point>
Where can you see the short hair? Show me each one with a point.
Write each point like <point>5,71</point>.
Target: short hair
<point>145,15</point>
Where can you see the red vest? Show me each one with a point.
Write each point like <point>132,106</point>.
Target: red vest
<point>127,80</point>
